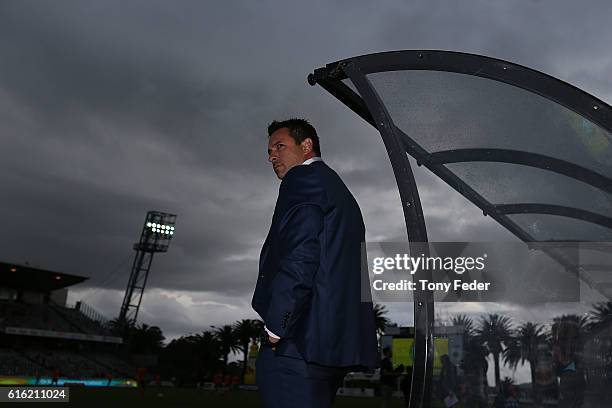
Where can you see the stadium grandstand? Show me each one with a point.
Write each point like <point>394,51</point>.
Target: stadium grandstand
<point>41,337</point>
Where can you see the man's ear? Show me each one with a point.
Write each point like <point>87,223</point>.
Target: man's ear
<point>307,145</point>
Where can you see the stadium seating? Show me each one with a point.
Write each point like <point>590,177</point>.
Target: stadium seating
<point>30,316</point>
<point>13,363</point>
<point>48,317</point>
<point>81,365</point>
<point>80,322</point>
<point>41,356</point>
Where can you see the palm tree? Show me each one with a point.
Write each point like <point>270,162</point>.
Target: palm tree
<point>567,334</point>
<point>146,339</point>
<point>381,320</point>
<point>475,356</point>
<point>467,323</point>
<point>474,362</point>
<point>227,341</point>
<point>494,332</point>
<point>524,347</point>
<point>191,358</point>
<point>601,315</point>
<point>245,330</point>
<point>259,326</point>
<point>579,322</point>
<point>599,333</point>
<point>475,353</point>
<point>207,348</point>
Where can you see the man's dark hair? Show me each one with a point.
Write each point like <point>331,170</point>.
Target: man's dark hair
<point>300,130</point>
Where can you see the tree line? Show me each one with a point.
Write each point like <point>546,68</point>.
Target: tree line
<point>198,356</point>
<point>496,335</point>
<point>194,357</point>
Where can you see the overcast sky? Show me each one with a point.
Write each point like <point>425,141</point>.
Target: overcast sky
<point>110,109</point>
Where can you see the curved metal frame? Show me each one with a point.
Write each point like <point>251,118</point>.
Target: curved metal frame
<point>536,160</point>
<point>416,230</point>
<point>520,76</point>
<point>369,106</point>
<point>552,209</point>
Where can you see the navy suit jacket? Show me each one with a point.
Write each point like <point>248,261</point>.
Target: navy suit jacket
<point>309,285</point>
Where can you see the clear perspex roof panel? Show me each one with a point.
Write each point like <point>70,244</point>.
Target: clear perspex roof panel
<point>519,146</point>
<point>451,112</point>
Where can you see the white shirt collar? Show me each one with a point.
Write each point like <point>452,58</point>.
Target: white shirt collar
<point>312,160</point>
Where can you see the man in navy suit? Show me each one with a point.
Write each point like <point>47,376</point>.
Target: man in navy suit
<point>319,322</point>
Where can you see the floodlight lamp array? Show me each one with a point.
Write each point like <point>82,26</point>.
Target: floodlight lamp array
<point>162,229</point>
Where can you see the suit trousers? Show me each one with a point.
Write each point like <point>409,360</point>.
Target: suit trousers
<point>287,382</point>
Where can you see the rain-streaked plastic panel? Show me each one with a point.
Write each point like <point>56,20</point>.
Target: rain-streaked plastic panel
<point>545,227</point>
<point>507,183</point>
<point>445,110</point>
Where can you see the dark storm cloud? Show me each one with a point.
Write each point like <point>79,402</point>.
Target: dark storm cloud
<point>564,39</point>
<point>68,73</point>
<point>110,109</point>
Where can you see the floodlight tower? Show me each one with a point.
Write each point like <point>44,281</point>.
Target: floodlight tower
<point>157,231</point>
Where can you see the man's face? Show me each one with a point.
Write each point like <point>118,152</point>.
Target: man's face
<point>284,153</point>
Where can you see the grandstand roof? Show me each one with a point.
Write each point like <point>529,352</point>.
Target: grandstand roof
<point>27,277</point>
